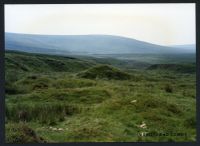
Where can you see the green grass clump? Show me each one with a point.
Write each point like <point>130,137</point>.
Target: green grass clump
<point>168,88</point>
<point>85,95</point>
<point>48,113</point>
<point>11,89</point>
<point>73,83</point>
<point>104,72</point>
<point>20,133</point>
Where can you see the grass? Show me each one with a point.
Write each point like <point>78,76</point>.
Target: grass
<point>105,72</point>
<point>95,102</point>
<point>20,133</point>
<point>183,68</point>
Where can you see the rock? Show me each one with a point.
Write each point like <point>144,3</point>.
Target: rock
<point>143,133</point>
<point>54,129</point>
<point>143,125</point>
<point>133,101</point>
<point>60,129</point>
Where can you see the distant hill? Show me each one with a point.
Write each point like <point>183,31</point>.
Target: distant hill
<point>83,44</point>
<point>191,48</point>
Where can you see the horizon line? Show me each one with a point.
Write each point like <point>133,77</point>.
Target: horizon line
<point>99,35</point>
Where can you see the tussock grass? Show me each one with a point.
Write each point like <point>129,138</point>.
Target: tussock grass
<point>96,103</point>
<point>45,113</point>
<point>20,133</point>
<point>104,72</point>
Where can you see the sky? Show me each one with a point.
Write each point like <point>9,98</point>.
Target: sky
<point>162,24</point>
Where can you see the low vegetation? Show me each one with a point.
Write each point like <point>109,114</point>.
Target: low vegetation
<point>69,99</point>
<point>182,68</point>
<point>105,72</point>
<point>20,133</point>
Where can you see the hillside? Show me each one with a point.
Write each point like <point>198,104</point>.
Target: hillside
<point>58,99</point>
<point>182,68</point>
<point>187,47</point>
<point>46,63</point>
<point>83,44</point>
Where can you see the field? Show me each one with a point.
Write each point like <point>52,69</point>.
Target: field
<point>100,99</point>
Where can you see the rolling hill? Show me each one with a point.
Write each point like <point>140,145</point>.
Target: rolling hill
<point>187,47</point>
<point>43,63</point>
<point>84,45</point>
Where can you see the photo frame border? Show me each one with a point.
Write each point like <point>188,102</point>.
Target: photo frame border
<point>2,72</point>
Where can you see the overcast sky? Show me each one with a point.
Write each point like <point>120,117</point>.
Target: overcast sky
<point>164,24</point>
